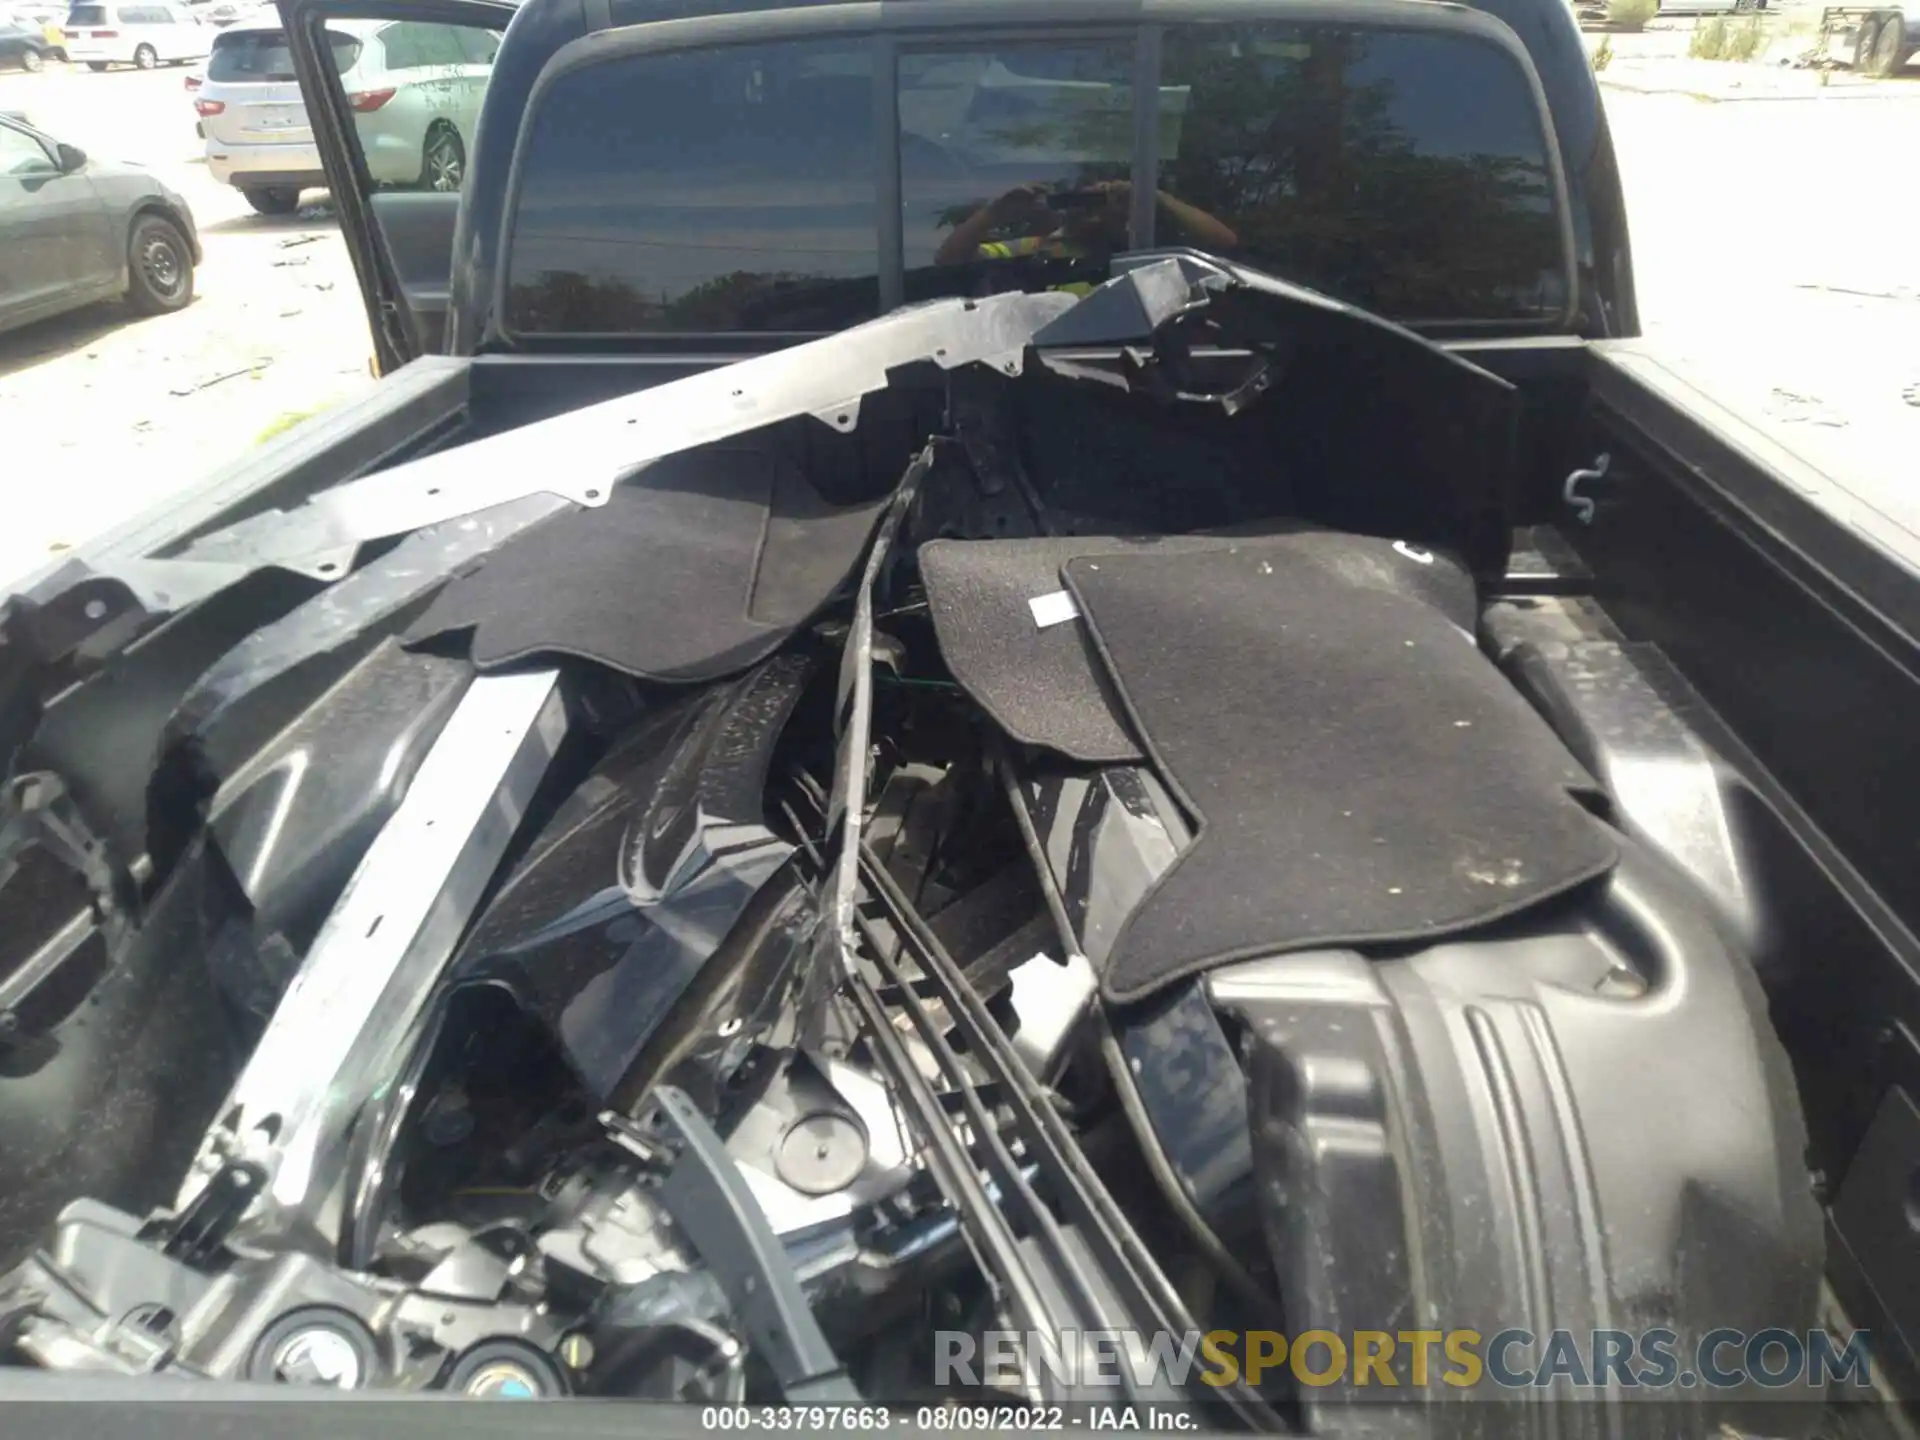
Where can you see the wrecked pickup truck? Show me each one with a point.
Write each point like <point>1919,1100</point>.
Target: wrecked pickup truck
<point>985,673</point>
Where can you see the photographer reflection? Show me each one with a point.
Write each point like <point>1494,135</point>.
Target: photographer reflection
<point>1080,222</point>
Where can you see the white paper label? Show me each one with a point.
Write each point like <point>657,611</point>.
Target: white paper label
<point>1053,609</point>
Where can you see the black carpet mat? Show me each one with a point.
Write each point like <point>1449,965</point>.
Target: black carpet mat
<point>1358,770</point>
<point>1046,685</point>
<point>1043,686</point>
<point>697,568</point>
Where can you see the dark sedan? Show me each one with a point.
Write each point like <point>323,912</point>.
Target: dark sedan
<point>75,230</point>
<point>22,48</point>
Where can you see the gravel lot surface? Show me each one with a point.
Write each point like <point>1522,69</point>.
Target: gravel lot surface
<point>1774,249</point>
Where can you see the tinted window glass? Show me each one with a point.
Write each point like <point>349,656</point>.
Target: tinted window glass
<point>1013,165</point>
<point>87,15</point>
<point>1405,172</point>
<point>726,189</point>
<point>23,155</point>
<point>440,45</point>
<point>401,45</point>
<point>477,46</point>
<point>257,56</point>
<point>411,46</point>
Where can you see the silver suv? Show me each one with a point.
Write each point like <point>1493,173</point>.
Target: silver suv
<point>415,90</point>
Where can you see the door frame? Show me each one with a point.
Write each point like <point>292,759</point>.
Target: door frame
<point>396,336</point>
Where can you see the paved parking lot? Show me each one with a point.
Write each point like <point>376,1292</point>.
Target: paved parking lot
<point>104,413</point>
<point>1774,247</point>
<point>1773,242</point>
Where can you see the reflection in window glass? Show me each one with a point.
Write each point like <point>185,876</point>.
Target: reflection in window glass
<point>401,44</point>
<point>251,56</point>
<point>477,47</point>
<point>23,155</point>
<point>440,45</point>
<point>1404,172</point>
<point>1014,163</point>
<point>416,107</point>
<point>726,189</point>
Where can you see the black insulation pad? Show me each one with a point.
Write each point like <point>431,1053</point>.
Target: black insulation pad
<point>697,568</point>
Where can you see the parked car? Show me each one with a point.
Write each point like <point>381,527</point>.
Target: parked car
<point>46,19</point>
<point>414,88</point>
<point>75,230</point>
<point>23,47</point>
<point>139,35</point>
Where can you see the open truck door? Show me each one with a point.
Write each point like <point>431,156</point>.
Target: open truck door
<point>396,131</point>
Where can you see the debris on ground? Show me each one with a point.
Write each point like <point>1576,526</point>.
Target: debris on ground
<point>306,239</point>
<point>207,384</point>
<point>1899,292</point>
<point>1791,408</point>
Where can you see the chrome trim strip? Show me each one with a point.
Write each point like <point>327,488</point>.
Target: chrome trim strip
<point>337,1034</point>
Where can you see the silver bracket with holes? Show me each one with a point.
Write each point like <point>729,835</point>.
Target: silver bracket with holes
<point>582,454</point>
<point>338,1033</point>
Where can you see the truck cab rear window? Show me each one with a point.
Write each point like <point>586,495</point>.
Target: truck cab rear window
<point>739,188</point>
<point>712,190</point>
<point>1404,171</point>
<point>1014,161</point>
